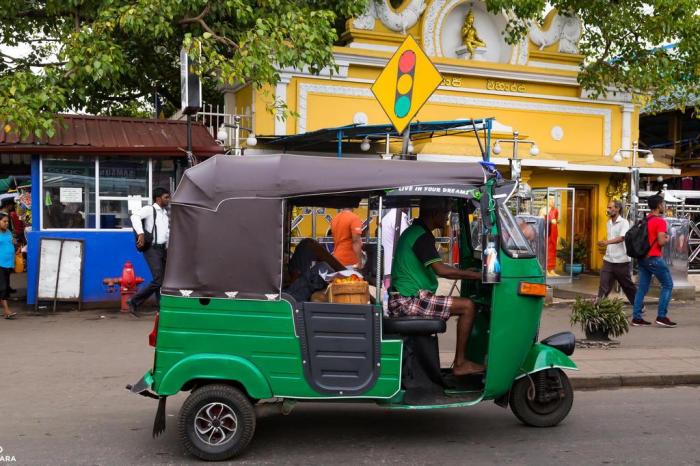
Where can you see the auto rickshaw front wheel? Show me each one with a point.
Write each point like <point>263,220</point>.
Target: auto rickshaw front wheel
<point>542,399</point>
<point>217,422</point>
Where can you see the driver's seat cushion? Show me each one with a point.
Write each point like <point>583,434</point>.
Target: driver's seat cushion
<point>413,325</point>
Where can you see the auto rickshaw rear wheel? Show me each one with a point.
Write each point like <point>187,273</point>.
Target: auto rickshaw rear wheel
<point>217,422</point>
<point>542,399</point>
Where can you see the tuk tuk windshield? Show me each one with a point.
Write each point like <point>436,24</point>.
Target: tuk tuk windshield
<point>516,236</point>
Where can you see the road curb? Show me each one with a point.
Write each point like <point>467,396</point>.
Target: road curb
<point>603,382</point>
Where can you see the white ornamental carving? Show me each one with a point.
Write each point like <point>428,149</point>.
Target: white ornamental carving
<point>366,20</point>
<point>382,10</point>
<point>564,29</point>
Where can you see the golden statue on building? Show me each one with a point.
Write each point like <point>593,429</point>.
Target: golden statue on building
<point>617,187</point>
<point>470,38</point>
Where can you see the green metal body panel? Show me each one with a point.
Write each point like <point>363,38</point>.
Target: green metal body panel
<point>543,357</point>
<point>247,341</point>
<point>215,366</point>
<point>514,323</point>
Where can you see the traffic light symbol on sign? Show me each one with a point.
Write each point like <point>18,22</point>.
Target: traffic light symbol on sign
<point>404,83</point>
<point>399,89</point>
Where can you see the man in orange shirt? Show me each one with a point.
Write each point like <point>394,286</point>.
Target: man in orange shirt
<point>347,236</point>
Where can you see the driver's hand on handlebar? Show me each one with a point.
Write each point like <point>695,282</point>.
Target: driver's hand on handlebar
<point>474,274</point>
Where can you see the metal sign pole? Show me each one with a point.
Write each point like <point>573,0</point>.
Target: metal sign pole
<point>406,142</point>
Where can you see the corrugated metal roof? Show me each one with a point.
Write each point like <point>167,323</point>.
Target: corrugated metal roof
<point>81,134</point>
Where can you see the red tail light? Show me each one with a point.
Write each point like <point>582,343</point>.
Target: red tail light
<point>154,333</point>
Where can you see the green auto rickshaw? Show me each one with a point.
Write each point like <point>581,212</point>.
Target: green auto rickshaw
<point>229,334</point>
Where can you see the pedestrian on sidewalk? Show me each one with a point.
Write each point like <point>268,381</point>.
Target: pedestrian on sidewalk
<point>8,207</point>
<point>7,263</point>
<point>155,220</point>
<point>617,265</point>
<point>654,265</point>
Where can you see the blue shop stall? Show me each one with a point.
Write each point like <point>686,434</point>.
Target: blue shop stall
<point>88,178</point>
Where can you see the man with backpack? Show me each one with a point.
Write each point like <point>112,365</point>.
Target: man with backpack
<point>644,242</point>
<point>152,228</point>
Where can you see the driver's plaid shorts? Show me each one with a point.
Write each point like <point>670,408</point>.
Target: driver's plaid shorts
<point>426,304</point>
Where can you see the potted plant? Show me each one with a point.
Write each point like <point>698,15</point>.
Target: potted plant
<point>600,319</point>
<point>580,253</point>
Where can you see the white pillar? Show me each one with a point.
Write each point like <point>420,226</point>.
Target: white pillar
<point>281,95</point>
<point>627,112</point>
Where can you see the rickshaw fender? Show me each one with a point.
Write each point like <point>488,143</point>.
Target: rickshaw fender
<point>215,367</point>
<point>541,357</point>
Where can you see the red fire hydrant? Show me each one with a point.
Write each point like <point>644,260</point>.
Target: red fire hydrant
<point>127,284</point>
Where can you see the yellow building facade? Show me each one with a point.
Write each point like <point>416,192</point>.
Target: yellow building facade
<point>530,87</point>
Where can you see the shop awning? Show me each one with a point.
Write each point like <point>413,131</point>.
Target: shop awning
<point>358,132</point>
<point>81,134</point>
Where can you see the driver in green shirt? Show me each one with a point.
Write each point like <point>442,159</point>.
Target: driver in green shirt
<point>415,269</point>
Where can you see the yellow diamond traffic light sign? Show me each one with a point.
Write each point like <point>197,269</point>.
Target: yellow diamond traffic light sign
<point>407,82</point>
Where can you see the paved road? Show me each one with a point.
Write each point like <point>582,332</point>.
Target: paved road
<point>62,402</point>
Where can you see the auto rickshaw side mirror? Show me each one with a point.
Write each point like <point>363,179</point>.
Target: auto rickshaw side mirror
<point>564,342</point>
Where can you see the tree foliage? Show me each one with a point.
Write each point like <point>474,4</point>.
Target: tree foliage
<point>110,56</point>
<point>102,56</point>
<point>644,47</point>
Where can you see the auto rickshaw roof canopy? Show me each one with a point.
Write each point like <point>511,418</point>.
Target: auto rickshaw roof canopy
<point>281,176</point>
<point>229,217</point>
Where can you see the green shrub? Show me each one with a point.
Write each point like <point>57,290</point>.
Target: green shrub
<point>605,315</point>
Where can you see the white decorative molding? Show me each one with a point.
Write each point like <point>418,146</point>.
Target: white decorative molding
<point>325,72</point>
<point>281,96</point>
<point>467,69</point>
<point>306,88</point>
<point>375,47</point>
<point>611,94</point>
<point>606,114</point>
<point>529,162</point>
<point>552,66</point>
<point>429,23</point>
<point>231,294</point>
<point>436,16</point>
<point>521,52</point>
<point>399,22</point>
<point>557,133</point>
<point>367,19</point>
<point>384,12</point>
<point>554,164</point>
<point>186,293</point>
<point>564,29</point>
<point>440,21</point>
<point>627,111</point>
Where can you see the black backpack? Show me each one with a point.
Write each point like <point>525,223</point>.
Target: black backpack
<point>149,237</point>
<point>637,240</point>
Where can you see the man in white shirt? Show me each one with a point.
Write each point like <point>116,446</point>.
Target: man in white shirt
<point>389,230</point>
<point>155,220</point>
<point>616,263</point>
